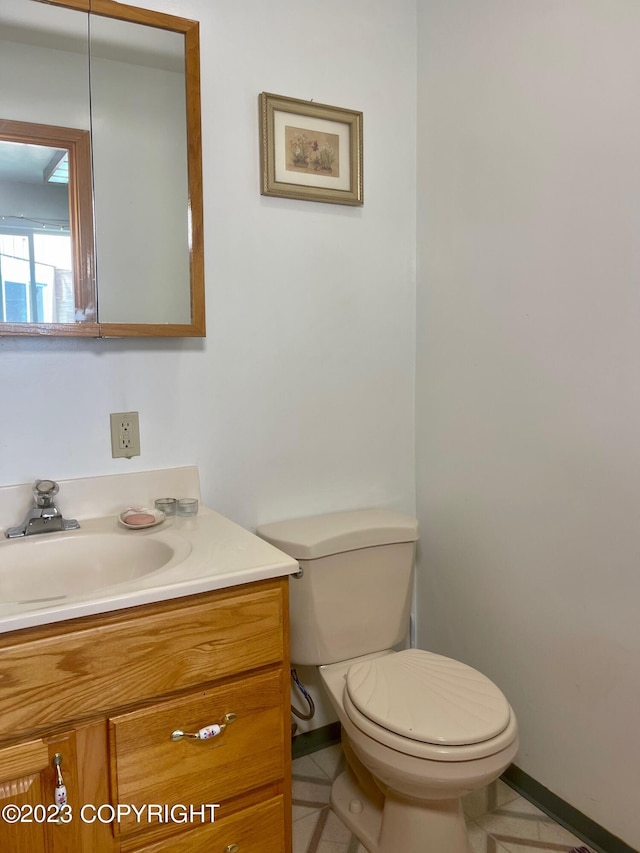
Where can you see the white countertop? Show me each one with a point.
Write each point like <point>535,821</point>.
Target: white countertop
<point>211,552</point>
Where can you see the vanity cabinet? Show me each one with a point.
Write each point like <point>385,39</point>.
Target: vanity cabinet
<point>107,692</point>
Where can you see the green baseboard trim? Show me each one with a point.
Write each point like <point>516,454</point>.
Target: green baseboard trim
<point>594,835</point>
<point>309,742</point>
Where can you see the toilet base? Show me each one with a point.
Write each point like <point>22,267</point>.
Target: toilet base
<point>428,826</point>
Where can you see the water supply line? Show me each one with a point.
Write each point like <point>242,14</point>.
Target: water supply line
<point>301,715</point>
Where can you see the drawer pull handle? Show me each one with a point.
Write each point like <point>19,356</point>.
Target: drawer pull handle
<point>207,731</point>
<point>232,848</point>
<point>60,793</point>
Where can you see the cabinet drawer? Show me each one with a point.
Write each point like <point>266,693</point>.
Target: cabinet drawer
<point>149,767</point>
<point>259,829</point>
<point>54,675</point>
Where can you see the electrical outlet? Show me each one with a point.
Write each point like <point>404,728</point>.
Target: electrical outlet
<point>125,435</point>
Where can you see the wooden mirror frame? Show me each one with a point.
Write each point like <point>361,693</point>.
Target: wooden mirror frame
<point>84,255</point>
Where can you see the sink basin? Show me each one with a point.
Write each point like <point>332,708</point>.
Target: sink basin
<point>51,567</point>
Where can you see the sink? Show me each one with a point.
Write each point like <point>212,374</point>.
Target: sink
<point>105,566</point>
<point>52,567</point>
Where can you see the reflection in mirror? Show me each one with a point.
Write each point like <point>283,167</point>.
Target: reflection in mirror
<point>46,233</point>
<point>146,138</point>
<point>140,172</point>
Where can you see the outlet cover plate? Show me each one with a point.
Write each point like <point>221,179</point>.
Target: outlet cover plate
<point>125,434</point>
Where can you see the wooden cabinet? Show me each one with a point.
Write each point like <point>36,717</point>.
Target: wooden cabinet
<point>108,692</point>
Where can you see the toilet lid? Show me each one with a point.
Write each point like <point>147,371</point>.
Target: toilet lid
<point>429,698</point>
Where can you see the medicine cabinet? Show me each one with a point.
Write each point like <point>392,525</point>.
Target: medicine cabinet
<point>101,224</point>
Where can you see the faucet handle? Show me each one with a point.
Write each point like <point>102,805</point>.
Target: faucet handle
<point>44,492</point>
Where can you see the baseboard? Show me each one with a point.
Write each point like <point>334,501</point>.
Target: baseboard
<point>308,742</point>
<point>575,821</point>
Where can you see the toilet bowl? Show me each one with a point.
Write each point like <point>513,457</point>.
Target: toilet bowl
<point>421,774</point>
<point>419,730</point>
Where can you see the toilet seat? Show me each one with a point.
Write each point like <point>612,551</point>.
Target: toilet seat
<point>428,706</point>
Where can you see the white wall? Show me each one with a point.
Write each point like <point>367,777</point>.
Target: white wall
<point>48,85</point>
<point>528,403</point>
<point>48,201</point>
<point>300,399</point>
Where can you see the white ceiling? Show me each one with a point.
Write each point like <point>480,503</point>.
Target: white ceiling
<point>25,163</point>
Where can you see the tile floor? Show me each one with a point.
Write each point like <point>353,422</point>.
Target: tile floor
<point>498,819</point>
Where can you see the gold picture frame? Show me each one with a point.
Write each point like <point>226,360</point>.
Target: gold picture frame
<point>310,151</point>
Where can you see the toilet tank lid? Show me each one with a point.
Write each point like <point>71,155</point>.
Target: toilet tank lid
<point>335,532</point>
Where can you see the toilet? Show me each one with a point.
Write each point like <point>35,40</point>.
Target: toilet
<point>419,730</point>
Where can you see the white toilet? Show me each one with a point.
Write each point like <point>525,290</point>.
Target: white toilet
<point>419,730</point>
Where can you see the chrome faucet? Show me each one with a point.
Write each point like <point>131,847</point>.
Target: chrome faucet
<point>44,517</point>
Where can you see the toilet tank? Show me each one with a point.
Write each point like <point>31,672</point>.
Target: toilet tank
<point>354,593</point>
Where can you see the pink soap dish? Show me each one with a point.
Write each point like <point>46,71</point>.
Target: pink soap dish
<point>138,518</point>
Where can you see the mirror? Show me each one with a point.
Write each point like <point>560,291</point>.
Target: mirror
<point>127,224</point>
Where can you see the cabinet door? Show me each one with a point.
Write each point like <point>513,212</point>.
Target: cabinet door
<point>27,786</point>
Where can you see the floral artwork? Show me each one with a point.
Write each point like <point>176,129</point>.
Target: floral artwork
<point>309,151</point>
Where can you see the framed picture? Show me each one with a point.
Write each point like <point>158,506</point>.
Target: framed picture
<point>310,151</point>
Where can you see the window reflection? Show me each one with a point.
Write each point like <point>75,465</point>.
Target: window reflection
<point>36,277</point>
